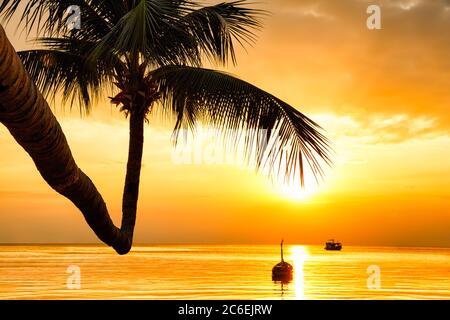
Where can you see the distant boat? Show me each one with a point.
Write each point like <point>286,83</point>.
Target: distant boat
<point>283,270</point>
<point>333,245</point>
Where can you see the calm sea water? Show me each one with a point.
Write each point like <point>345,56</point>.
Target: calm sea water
<point>222,272</point>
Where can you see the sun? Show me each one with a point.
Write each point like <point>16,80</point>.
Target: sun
<point>294,191</point>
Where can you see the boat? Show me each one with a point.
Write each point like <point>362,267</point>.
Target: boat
<point>282,271</point>
<point>333,245</point>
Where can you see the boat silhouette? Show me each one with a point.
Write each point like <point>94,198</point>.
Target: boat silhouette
<point>333,245</point>
<point>282,271</point>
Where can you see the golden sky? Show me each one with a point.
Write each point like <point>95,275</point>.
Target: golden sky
<point>382,96</point>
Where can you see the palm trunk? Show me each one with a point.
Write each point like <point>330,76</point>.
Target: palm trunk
<point>28,117</point>
<point>131,188</point>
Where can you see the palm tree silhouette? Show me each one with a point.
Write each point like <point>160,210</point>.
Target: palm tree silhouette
<point>151,53</point>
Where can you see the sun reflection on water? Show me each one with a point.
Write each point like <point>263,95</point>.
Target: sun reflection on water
<point>299,255</point>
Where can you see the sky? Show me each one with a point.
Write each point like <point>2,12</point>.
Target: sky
<point>382,97</point>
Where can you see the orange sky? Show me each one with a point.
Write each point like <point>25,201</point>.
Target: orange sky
<point>382,96</point>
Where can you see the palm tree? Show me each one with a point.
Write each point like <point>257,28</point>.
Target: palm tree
<point>150,53</point>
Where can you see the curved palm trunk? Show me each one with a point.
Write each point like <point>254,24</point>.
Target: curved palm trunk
<point>26,114</point>
<point>131,188</point>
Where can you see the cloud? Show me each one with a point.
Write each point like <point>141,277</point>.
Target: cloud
<point>405,4</point>
<point>320,57</point>
<point>379,129</point>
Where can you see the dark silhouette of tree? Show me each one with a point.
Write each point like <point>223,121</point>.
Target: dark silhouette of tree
<point>151,53</point>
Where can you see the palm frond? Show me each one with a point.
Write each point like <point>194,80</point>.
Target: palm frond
<point>141,30</point>
<point>49,17</point>
<point>164,32</point>
<point>233,106</point>
<point>215,28</point>
<point>62,67</point>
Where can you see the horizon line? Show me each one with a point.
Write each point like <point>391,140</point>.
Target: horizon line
<point>209,244</point>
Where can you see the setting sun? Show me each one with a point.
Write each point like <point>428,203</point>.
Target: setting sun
<point>295,192</point>
<point>373,135</point>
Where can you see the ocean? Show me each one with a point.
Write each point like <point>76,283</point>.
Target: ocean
<point>222,272</point>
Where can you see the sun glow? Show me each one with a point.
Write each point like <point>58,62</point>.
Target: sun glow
<point>294,191</point>
<point>299,256</point>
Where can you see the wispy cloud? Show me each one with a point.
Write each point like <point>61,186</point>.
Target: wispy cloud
<point>381,128</point>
